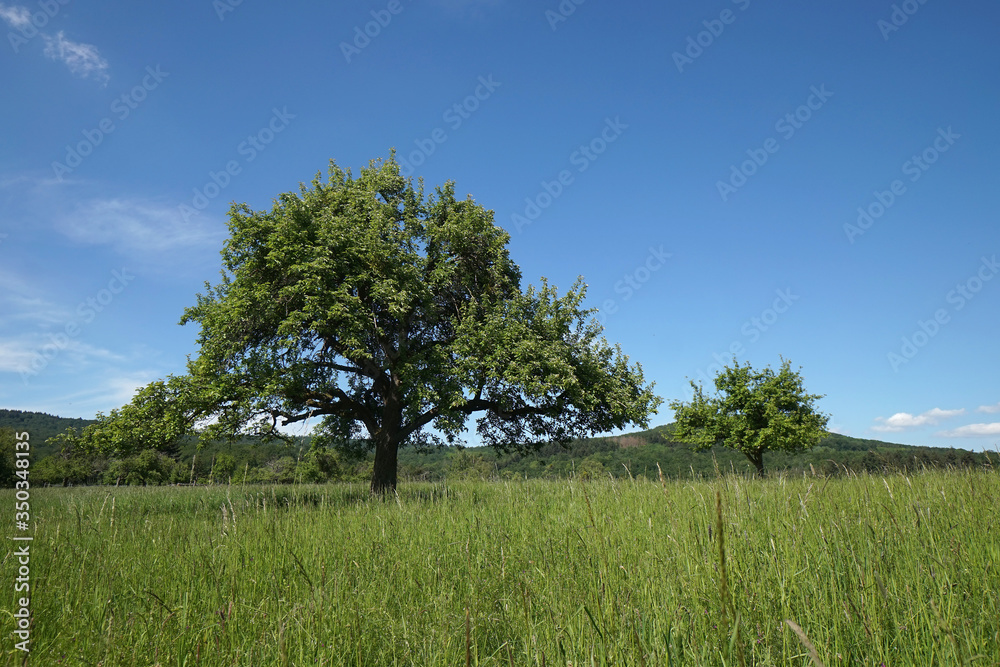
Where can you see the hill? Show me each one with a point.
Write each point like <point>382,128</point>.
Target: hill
<point>646,453</point>
<point>40,425</point>
<point>643,453</point>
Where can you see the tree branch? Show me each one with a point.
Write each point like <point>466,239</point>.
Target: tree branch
<point>476,405</point>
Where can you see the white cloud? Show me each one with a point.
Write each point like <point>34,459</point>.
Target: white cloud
<point>34,184</point>
<point>134,226</point>
<point>11,283</point>
<point>35,353</point>
<point>904,420</point>
<point>110,389</point>
<point>989,408</point>
<point>16,355</point>
<point>35,311</point>
<point>82,59</point>
<point>34,332</point>
<point>23,303</point>
<point>110,392</point>
<point>148,233</point>
<point>16,16</point>
<point>973,431</point>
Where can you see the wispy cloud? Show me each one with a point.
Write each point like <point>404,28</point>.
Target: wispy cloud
<point>110,388</point>
<point>23,303</point>
<point>16,355</point>
<point>838,428</point>
<point>34,310</point>
<point>16,17</point>
<point>133,226</point>
<point>36,334</point>
<point>904,420</point>
<point>973,431</point>
<point>82,59</point>
<point>33,184</point>
<point>990,409</point>
<point>112,391</point>
<point>149,233</point>
<point>26,353</point>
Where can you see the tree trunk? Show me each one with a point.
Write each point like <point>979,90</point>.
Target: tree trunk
<point>384,472</point>
<point>757,459</point>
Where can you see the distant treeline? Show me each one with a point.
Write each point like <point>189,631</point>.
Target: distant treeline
<point>643,454</point>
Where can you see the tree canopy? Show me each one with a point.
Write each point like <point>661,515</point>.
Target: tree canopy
<point>391,318</point>
<point>752,412</point>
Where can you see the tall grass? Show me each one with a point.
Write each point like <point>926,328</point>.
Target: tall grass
<point>896,570</point>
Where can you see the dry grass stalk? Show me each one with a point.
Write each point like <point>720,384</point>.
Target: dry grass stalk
<point>805,642</point>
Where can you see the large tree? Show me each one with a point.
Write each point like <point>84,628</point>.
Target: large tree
<point>390,317</point>
<point>752,412</point>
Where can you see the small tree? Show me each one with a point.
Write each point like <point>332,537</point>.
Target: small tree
<point>223,467</point>
<point>148,467</point>
<point>753,412</point>
<point>320,464</point>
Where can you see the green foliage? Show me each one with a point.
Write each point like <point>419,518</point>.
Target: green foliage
<point>591,468</point>
<point>470,464</point>
<point>149,467</point>
<point>160,414</point>
<point>69,467</point>
<point>364,303</point>
<point>223,467</point>
<point>319,465</point>
<point>281,471</point>
<point>752,412</point>
<point>7,457</point>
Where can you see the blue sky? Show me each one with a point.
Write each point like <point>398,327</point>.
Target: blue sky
<point>813,180</point>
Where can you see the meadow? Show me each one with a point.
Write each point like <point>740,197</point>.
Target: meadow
<point>805,570</point>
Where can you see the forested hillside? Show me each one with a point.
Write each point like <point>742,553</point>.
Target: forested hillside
<point>40,426</point>
<point>644,453</point>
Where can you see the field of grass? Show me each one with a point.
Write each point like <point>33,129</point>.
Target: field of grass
<point>901,570</point>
